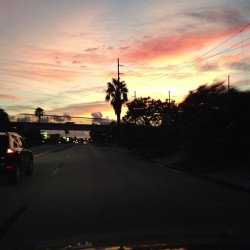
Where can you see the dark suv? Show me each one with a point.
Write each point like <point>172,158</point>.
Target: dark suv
<point>15,156</point>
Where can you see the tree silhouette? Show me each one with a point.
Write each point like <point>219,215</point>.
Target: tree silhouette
<point>39,112</point>
<point>205,110</point>
<point>149,112</point>
<point>4,121</point>
<point>117,95</point>
<point>216,121</point>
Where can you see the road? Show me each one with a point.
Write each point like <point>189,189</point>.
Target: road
<point>90,193</point>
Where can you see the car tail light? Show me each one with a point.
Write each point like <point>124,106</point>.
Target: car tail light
<point>8,166</point>
<point>10,151</point>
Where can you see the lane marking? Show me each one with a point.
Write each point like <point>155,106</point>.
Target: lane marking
<point>11,220</point>
<point>43,153</point>
<point>58,168</point>
<point>55,171</point>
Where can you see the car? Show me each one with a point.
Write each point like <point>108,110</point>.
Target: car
<point>15,156</point>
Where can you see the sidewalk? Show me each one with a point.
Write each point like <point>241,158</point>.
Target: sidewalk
<point>236,178</point>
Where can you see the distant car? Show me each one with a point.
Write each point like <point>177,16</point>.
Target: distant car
<point>15,156</point>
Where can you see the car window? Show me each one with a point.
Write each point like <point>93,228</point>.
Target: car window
<point>20,144</point>
<point>3,143</point>
<point>16,143</point>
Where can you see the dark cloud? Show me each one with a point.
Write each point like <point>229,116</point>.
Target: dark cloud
<point>76,62</point>
<point>124,48</point>
<point>209,67</point>
<point>64,118</point>
<point>240,65</point>
<point>97,115</point>
<point>91,49</point>
<point>70,34</point>
<point>224,15</point>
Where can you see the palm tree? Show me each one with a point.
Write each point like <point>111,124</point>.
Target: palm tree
<point>117,94</point>
<point>39,112</point>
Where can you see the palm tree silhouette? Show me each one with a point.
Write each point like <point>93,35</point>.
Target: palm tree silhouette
<point>39,112</point>
<point>117,94</point>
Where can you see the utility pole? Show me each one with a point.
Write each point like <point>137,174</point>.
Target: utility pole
<point>228,83</point>
<point>134,95</point>
<point>118,78</point>
<point>118,70</point>
<point>118,66</point>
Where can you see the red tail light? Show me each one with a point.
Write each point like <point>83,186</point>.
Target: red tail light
<point>10,151</point>
<point>8,166</point>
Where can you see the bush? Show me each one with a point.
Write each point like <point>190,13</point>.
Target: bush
<point>150,141</point>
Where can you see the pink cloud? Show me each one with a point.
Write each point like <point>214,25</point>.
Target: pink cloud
<point>172,46</point>
<point>11,98</point>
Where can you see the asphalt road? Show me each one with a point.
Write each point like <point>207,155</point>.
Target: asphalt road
<point>84,193</point>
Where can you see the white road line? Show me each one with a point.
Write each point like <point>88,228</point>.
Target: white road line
<point>43,153</point>
<point>55,171</point>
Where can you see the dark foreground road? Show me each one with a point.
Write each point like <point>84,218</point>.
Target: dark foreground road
<point>86,193</point>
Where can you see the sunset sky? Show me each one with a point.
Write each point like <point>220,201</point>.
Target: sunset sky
<point>60,54</point>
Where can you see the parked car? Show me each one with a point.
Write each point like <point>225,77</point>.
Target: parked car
<point>15,156</point>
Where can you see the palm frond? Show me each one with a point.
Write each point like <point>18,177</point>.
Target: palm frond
<point>110,88</point>
<point>107,98</point>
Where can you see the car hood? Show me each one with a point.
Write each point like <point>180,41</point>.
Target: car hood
<point>139,246</point>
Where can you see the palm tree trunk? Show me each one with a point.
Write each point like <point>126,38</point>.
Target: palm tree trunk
<point>119,128</point>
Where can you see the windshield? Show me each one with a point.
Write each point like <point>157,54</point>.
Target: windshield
<point>137,114</point>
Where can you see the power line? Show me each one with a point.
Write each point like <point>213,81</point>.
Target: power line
<point>222,52</point>
<point>226,40</point>
<point>195,62</point>
<point>200,58</point>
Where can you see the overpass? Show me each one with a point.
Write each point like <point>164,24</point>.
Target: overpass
<point>54,122</point>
